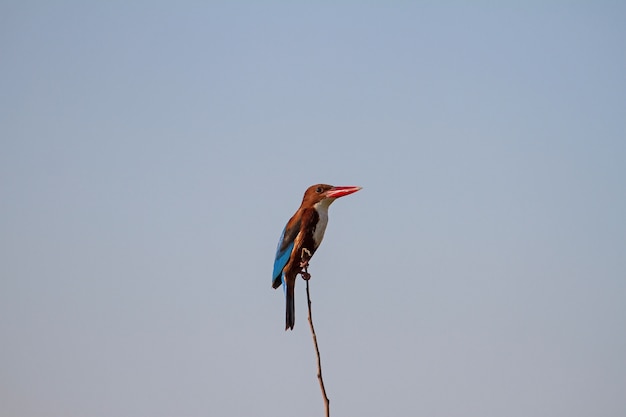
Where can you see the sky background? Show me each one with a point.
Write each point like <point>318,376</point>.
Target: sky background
<point>151,153</point>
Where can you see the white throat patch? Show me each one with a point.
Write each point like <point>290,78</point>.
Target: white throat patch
<point>322,210</point>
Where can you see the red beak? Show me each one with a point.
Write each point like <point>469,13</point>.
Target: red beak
<point>337,192</point>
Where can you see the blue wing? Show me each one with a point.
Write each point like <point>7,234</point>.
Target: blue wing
<point>282,257</point>
<point>283,252</point>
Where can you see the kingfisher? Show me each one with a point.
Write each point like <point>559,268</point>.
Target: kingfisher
<point>300,239</point>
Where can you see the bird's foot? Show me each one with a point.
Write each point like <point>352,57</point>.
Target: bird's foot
<point>304,264</point>
<point>304,271</point>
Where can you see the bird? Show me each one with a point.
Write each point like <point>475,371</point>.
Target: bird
<point>301,237</point>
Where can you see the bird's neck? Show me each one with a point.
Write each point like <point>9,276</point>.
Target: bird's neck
<point>322,212</point>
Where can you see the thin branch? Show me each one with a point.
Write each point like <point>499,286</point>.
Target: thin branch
<point>305,274</point>
<point>317,353</point>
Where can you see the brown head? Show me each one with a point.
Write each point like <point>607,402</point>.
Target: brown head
<point>319,192</point>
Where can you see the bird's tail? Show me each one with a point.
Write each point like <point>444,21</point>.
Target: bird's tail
<point>290,315</point>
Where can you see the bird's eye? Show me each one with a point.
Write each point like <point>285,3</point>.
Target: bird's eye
<point>318,190</point>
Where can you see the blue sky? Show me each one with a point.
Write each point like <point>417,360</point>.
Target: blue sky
<point>151,153</point>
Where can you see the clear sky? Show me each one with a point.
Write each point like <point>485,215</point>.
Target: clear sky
<point>151,153</point>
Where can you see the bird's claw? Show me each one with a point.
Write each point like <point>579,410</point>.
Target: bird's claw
<point>305,274</point>
<point>304,264</point>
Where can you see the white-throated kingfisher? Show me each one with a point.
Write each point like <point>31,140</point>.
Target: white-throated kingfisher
<point>301,238</point>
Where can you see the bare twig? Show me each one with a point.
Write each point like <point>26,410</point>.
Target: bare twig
<point>305,274</point>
